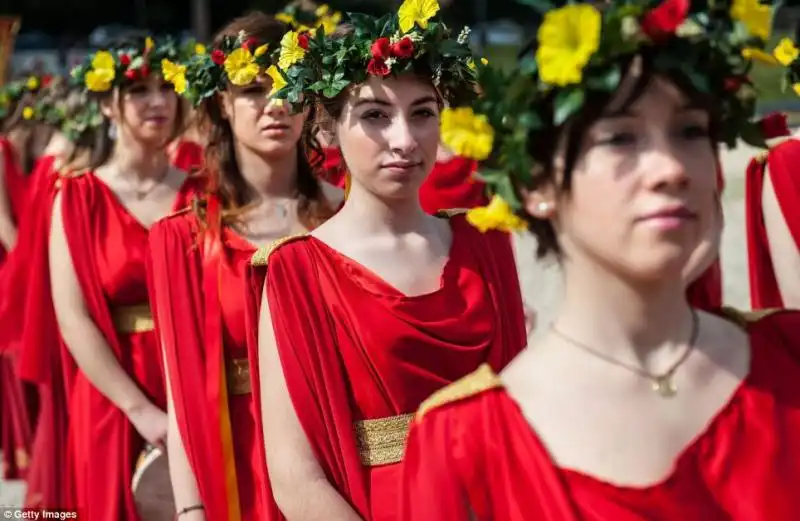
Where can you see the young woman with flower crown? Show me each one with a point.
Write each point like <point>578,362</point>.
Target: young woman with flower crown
<point>117,399</point>
<point>383,304</point>
<point>635,406</point>
<point>263,190</point>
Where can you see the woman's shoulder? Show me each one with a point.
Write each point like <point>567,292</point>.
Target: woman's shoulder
<point>463,398</point>
<point>284,247</point>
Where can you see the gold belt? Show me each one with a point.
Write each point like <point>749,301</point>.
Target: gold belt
<point>382,441</point>
<point>237,372</point>
<point>133,319</point>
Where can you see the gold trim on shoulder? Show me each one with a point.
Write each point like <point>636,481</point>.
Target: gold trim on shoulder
<point>451,212</point>
<point>761,157</point>
<point>382,441</point>
<point>182,211</point>
<point>480,380</point>
<point>261,255</point>
<point>743,318</point>
<point>133,319</point>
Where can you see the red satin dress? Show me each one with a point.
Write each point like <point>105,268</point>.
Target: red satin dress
<point>471,446</point>
<point>781,166</point>
<point>359,356</point>
<point>18,402</point>
<point>108,247</point>
<point>197,288</point>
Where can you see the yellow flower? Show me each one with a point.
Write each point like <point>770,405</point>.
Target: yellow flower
<point>467,134</point>
<point>286,18</point>
<point>241,67</point>
<point>149,44</point>
<point>32,83</point>
<point>755,16</point>
<point>496,216</point>
<point>291,52</point>
<point>329,22</point>
<point>278,82</point>
<point>199,48</point>
<point>416,12</point>
<point>261,50</point>
<point>786,52</point>
<point>757,55</point>
<point>175,74</point>
<point>27,113</point>
<point>103,72</point>
<point>471,63</point>
<point>568,37</point>
<point>322,10</point>
<point>796,88</point>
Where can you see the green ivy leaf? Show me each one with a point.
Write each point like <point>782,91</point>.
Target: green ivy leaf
<point>567,103</point>
<point>752,135</point>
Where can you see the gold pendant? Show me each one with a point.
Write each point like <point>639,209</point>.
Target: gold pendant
<point>664,386</point>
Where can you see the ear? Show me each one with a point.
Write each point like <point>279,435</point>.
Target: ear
<point>541,202</point>
<point>107,106</point>
<point>225,104</point>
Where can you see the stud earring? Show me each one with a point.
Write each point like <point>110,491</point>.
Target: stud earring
<point>543,207</point>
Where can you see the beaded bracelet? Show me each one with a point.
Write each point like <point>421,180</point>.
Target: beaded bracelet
<point>189,509</point>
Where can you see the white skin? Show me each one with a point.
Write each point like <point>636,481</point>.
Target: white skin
<point>266,137</point>
<point>389,134</point>
<point>784,250</point>
<point>624,296</point>
<point>145,117</point>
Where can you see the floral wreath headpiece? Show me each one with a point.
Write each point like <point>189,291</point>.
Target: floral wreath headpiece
<point>302,20</point>
<point>87,118</point>
<point>108,68</point>
<point>412,39</point>
<point>239,60</point>
<point>579,49</point>
<point>13,92</point>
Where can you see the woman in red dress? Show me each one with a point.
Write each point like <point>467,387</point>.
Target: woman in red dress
<point>384,303</point>
<point>634,406</point>
<point>264,189</point>
<point>97,251</point>
<point>773,227</point>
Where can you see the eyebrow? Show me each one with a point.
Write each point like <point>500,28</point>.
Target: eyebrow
<point>420,101</point>
<point>628,112</point>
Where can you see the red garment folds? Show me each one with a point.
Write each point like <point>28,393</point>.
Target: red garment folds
<point>781,163</point>
<point>477,449</point>
<point>188,156</point>
<point>108,249</point>
<point>181,266</point>
<point>353,348</point>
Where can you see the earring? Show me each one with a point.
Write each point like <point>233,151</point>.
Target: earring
<point>112,131</point>
<point>543,207</point>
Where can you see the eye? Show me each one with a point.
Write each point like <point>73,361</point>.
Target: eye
<point>137,89</point>
<point>166,87</point>
<point>254,90</point>
<point>425,113</point>
<point>373,115</point>
<point>617,139</point>
<point>694,131</point>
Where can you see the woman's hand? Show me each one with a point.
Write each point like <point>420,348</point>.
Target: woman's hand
<point>151,423</point>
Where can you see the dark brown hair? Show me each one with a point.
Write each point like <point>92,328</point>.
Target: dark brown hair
<point>543,143</point>
<point>220,157</point>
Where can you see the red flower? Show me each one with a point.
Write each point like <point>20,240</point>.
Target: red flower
<point>378,67</point>
<point>774,125</point>
<point>132,74</point>
<point>144,70</point>
<point>250,44</point>
<point>125,60</point>
<point>218,57</point>
<point>302,40</point>
<point>47,80</point>
<point>403,49</point>
<point>381,49</point>
<point>662,22</point>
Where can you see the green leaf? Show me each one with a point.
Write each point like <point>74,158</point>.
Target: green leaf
<point>541,6</point>
<point>567,103</point>
<point>752,135</point>
<point>608,82</point>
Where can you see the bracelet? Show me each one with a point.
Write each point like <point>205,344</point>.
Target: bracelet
<point>189,509</point>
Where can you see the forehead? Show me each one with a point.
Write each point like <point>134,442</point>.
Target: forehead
<point>658,93</point>
<point>401,91</point>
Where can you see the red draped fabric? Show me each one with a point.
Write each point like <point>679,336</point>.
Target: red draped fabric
<point>781,166</point>
<point>352,347</point>
<point>188,156</point>
<point>108,247</point>
<point>230,473</point>
<point>745,466</point>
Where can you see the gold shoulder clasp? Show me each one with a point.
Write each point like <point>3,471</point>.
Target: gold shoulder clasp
<point>743,318</point>
<point>451,212</point>
<point>480,380</point>
<point>261,255</point>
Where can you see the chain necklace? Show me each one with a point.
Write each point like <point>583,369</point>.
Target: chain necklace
<point>663,383</point>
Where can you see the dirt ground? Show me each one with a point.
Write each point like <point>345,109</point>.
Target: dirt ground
<point>541,282</point>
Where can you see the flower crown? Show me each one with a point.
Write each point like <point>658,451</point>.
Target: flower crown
<point>238,60</point>
<point>109,68</point>
<point>410,40</point>
<point>86,119</point>
<point>787,54</point>
<point>302,20</point>
<point>13,91</point>
<point>579,49</point>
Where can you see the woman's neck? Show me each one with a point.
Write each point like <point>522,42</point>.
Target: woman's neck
<point>268,178</point>
<point>139,160</point>
<point>372,215</point>
<point>623,320</point>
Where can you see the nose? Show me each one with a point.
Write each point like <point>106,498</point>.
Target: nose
<point>277,108</point>
<point>158,97</point>
<point>667,169</point>
<point>401,136</point>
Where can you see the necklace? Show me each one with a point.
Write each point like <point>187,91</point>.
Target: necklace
<point>663,383</point>
<point>142,193</point>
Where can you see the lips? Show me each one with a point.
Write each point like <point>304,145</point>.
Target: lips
<point>402,165</point>
<point>276,126</point>
<point>670,212</point>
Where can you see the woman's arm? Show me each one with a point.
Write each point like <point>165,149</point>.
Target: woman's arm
<point>300,487</point>
<point>184,483</point>
<point>785,252</point>
<point>88,346</point>
<point>8,230</point>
